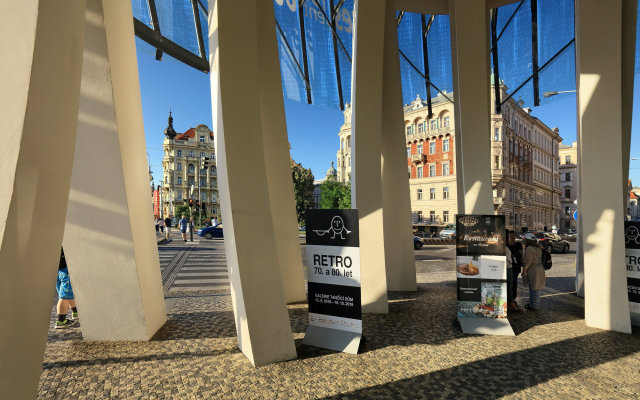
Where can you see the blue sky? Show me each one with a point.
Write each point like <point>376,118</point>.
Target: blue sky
<point>312,130</point>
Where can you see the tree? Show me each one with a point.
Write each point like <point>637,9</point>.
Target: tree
<point>302,189</point>
<point>335,195</point>
<point>182,209</point>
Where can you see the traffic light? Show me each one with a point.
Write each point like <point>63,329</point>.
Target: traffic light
<point>190,202</point>
<point>204,163</point>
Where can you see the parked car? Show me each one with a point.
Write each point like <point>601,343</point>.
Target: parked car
<point>211,232</point>
<point>570,234</point>
<point>417,243</point>
<point>448,233</point>
<point>551,242</point>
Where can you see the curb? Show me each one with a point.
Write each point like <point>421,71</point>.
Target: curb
<point>429,241</point>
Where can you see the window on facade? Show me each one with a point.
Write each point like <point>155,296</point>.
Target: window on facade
<point>432,170</point>
<point>419,149</point>
<point>179,180</point>
<point>445,146</point>
<point>445,169</point>
<point>191,168</point>
<point>567,159</point>
<point>201,138</point>
<point>496,162</point>
<point>179,194</point>
<point>445,193</point>
<point>409,169</point>
<point>419,216</point>
<point>567,193</point>
<point>567,177</point>
<point>496,134</point>
<point>445,216</point>
<point>213,170</point>
<point>433,125</point>
<point>432,147</point>
<point>202,154</point>
<point>410,130</point>
<point>166,179</point>
<point>179,166</point>
<point>419,175</point>
<point>446,121</point>
<point>191,154</point>
<point>179,153</point>
<point>419,194</point>
<point>203,182</point>
<point>191,181</point>
<point>567,210</point>
<point>432,193</point>
<point>408,151</point>
<point>432,216</point>
<point>420,127</point>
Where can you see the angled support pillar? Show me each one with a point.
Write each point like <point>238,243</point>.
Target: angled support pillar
<point>604,74</point>
<point>366,125</point>
<point>242,125</point>
<point>111,253</point>
<point>470,63</point>
<point>41,43</point>
<point>398,239</point>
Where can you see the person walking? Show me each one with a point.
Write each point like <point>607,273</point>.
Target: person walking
<point>167,224</point>
<point>191,228</point>
<point>183,223</point>
<point>161,225</point>
<point>214,222</point>
<point>514,257</point>
<point>533,272</point>
<point>66,300</point>
<point>157,222</point>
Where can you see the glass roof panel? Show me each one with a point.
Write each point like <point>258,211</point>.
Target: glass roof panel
<point>140,10</point>
<point>177,23</point>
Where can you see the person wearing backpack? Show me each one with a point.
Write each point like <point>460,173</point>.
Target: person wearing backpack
<point>533,273</point>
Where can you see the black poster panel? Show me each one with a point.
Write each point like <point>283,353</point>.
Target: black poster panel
<point>333,228</point>
<point>480,235</point>
<point>335,300</point>
<point>469,289</point>
<point>633,288</point>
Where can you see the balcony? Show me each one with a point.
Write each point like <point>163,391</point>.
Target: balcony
<point>416,158</point>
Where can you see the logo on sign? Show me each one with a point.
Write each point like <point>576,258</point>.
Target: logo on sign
<point>631,235</point>
<point>468,221</point>
<point>337,229</point>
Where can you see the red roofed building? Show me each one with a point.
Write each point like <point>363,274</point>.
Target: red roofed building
<point>182,176</point>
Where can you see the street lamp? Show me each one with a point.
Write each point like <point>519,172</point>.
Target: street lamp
<point>549,94</point>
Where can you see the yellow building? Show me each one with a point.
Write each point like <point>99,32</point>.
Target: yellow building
<point>183,179</point>
<point>524,164</point>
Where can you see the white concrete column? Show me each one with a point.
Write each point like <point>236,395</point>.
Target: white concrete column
<point>602,74</point>
<point>366,167</point>
<point>238,93</point>
<point>276,153</point>
<point>470,64</point>
<point>41,47</point>
<point>398,238</point>
<point>111,252</point>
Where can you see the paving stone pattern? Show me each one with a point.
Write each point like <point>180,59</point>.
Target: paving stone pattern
<point>417,351</point>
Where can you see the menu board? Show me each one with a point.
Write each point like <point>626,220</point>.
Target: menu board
<point>481,266</point>
<point>632,256</point>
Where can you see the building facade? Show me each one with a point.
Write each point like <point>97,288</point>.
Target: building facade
<point>524,164</point>
<point>569,185</point>
<point>182,177</point>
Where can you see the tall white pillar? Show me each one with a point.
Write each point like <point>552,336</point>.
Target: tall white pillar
<point>277,161</point>
<point>41,46</point>
<point>242,127</point>
<point>603,75</point>
<point>111,252</point>
<point>366,125</point>
<point>398,238</point>
<point>470,64</point>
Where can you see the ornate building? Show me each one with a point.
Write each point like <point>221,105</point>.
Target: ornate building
<point>569,185</point>
<point>524,162</point>
<point>182,176</point>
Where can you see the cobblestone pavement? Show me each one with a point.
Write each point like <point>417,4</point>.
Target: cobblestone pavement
<point>416,351</point>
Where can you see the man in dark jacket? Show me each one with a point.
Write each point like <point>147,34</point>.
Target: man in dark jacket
<point>167,224</point>
<point>516,260</point>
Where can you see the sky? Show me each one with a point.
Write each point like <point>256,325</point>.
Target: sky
<point>312,130</point>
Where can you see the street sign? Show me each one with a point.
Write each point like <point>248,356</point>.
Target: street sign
<point>575,215</point>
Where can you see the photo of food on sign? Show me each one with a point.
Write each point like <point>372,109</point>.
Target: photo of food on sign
<point>468,269</point>
<point>491,304</point>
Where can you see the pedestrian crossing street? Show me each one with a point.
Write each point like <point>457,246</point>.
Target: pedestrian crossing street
<point>193,266</point>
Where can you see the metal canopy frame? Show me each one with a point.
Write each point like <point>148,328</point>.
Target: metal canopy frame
<point>154,37</point>
<point>535,68</point>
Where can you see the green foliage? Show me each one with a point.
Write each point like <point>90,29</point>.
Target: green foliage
<point>335,195</point>
<point>182,209</point>
<point>302,189</point>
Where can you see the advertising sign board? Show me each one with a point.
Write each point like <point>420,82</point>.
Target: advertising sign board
<point>632,256</point>
<point>333,280</point>
<point>481,270</point>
